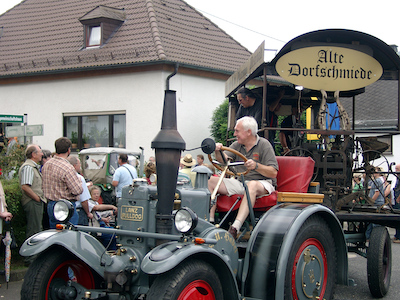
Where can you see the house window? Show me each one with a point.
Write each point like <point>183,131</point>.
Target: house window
<point>100,24</point>
<point>94,36</point>
<point>100,130</point>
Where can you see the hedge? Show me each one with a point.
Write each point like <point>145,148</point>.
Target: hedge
<point>13,198</point>
<point>10,165</point>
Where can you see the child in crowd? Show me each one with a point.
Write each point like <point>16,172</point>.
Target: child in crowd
<point>103,215</point>
<point>101,212</point>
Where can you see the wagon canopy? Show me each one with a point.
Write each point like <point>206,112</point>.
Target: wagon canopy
<point>267,81</point>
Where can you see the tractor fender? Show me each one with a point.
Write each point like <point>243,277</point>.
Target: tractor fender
<point>271,243</point>
<point>82,245</point>
<point>167,256</point>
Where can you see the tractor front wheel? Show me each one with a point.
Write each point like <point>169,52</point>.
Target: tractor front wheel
<point>192,280</point>
<point>51,272</point>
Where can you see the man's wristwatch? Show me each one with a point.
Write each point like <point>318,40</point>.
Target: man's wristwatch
<point>256,166</point>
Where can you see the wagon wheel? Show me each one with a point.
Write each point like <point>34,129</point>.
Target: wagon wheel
<point>379,262</point>
<point>193,279</point>
<point>299,151</point>
<point>371,160</point>
<point>219,167</point>
<point>311,267</point>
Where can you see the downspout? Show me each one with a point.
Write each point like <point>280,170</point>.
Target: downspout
<point>170,76</point>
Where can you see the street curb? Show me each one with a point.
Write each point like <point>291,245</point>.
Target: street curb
<point>16,275</point>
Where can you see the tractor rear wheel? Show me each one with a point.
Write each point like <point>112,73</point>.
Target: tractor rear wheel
<point>311,269</point>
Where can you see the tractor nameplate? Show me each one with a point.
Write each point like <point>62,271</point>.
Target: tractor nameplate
<point>131,213</point>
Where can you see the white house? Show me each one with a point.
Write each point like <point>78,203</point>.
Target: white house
<point>95,71</point>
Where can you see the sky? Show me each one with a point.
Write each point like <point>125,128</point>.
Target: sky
<point>277,22</point>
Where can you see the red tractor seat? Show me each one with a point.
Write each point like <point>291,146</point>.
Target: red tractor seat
<point>294,175</point>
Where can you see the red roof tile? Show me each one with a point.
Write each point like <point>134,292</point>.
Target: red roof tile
<point>47,36</point>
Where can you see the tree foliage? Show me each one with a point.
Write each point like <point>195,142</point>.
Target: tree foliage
<point>219,124</point>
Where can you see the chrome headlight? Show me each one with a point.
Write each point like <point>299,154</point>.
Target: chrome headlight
<point>185,220</point>
<point>63,210</point>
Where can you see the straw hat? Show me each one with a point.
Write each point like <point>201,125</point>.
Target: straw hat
<point>188,160</point>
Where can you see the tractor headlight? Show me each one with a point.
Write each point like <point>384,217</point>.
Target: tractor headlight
<point>185,220</point>
<point>63,210</point>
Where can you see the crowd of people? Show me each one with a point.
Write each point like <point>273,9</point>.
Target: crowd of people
<point>46,177</point>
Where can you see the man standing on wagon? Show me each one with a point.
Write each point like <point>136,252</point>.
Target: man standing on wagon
<point>261,163</point>
<point>250,105</point>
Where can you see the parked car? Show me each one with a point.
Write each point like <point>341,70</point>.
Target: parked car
<point>99,165</point>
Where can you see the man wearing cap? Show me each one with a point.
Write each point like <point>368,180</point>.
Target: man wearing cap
<point>187,162</point>
<point>261,163</point>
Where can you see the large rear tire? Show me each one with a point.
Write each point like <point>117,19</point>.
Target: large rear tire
<point>192,280</point>
<point>379,262</point>
<point>311,269</point>
<point>55,268</point>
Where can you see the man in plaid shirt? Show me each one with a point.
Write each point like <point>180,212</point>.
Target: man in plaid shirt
<point>60,180</point>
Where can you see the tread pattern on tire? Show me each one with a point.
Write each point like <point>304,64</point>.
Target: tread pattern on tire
<point>34,277</point>
<point>376,281</point>
<point>166,285</point>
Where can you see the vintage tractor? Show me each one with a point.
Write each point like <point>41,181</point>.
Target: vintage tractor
<point>167,249</point>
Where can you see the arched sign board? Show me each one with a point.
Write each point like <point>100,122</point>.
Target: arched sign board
<point>329,68</point>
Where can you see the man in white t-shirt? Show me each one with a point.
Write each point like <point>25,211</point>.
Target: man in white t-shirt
<point>124,175</point>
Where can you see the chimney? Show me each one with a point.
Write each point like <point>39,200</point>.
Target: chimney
<point>168,145</point>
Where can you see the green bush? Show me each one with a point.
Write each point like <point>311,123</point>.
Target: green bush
<point>10,165</point>
<point>13,199</point>
<point>12,162</point>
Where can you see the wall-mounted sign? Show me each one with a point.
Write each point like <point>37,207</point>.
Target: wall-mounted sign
<point>11,119</point>
<point>28,130</point>
<point>34,130</point>
<point>329,68</point>
<point>12,131</point>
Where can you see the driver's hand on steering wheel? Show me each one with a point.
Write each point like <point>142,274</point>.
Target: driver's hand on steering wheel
<point>218,146</point>
<point>250,164</point>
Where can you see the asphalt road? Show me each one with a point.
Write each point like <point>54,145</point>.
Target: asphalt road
<point>357,272</point>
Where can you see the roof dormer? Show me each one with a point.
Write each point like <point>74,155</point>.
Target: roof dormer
<point>100,24</point>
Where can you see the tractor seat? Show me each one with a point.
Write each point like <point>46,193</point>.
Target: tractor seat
<point>294,175</point>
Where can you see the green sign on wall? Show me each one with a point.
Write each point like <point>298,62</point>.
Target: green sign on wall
<point>11,119</point>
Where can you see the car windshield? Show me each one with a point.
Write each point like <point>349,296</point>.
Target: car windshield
<point>95,161</point>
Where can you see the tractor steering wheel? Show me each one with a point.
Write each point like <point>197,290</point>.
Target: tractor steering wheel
<point>219,167</point>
